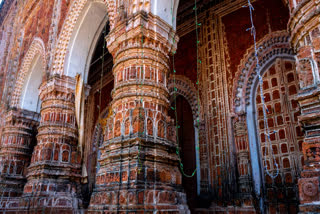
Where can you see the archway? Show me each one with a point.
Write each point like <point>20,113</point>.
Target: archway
<point>187,145</point>
<point>84,38</point>
<point>21,125</point>
<point>280,86</point>
<point>270,47</point>
<point>30,94</point>
<point>32,72</point>
<point>26,104</point>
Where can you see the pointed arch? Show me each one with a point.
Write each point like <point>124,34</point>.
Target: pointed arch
<point>32,69</point>
<point>270,47</point>
<point>81,15</point>
<point>185,88</point>
<point>75,18</point>
<point>274,53</point>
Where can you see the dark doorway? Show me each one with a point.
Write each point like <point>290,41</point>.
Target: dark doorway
<point>186,137</point>
<point>101,84</point>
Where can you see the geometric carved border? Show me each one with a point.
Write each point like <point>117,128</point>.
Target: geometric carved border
<point>270,47</point>
<point>36,47</point>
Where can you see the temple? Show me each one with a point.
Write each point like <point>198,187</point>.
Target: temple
<point>160,106</point>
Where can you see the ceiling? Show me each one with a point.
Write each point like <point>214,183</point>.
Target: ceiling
<point>185,9</point>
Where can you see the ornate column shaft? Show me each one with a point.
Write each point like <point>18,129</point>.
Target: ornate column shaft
<point>17,142</point>
<point>244,197</point>
<point>138,163</point>
<point>305,37</point>
<point>54,172</point>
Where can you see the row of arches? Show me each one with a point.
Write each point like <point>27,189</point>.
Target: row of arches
<point>82,50</point>
<point>88,26</point>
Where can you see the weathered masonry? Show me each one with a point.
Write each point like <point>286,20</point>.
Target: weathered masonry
<point>155,106</point>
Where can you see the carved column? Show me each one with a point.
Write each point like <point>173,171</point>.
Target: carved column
<point>55,171</point>
<point>305,37</point>
<point>17,142</point>
<point>244,180</point>
<point>138,164</point>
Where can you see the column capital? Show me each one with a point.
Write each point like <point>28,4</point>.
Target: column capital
<point>63,85</point>
<point>22,117</point>
<point>156,31</point>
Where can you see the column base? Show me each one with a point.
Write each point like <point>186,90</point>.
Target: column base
<point>10,191</point>
<point>139,201</point>
<point>138,176</point>
<point>50,196</point>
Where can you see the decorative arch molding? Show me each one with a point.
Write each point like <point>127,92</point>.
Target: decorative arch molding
<point>76,9</point>
<point>270,47</point>
<point>37,47</point>
<point>114,8</point>
<point>186,89</point>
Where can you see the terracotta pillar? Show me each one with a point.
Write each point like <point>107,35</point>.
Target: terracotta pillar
<point>17,142</point>
<point>305,37</point>
<point>54,172</point>
<point>138,164</point>
<point>244,196</point>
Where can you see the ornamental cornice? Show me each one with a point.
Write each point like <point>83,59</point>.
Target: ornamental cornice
<point>58,86</point>
<point>23,117</point>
